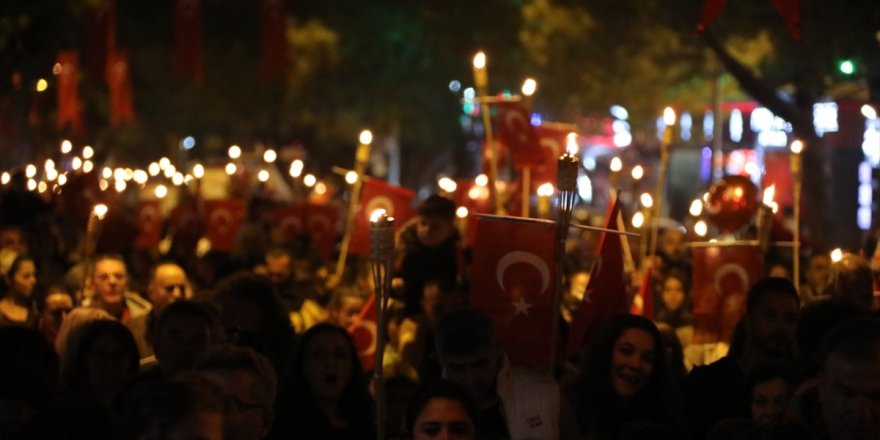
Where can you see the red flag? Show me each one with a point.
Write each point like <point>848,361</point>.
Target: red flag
<point>605,296</point>
<point>379,194</point>
<point>188,38</point>
<point>514,281</point>
<point>224,219</point>
<point>363,331</point>
<point>67,70</point>
<point>321,221</point>
<point>187,225</point>
<point>711,11</point>
<point>790,12</point>
<point>119,83</point>
<point>552,139</point>
<point>722,277</point>
<point>643,301</point>
<point>515,131</point>
<point>273,50</point>
<point>101,37</point>
<point>149,225</point>
<point>290,222</point>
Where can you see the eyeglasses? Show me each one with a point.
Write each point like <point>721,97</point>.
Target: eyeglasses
<point>170,288</point>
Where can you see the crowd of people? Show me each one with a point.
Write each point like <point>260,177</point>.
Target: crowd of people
<point>242,346</point>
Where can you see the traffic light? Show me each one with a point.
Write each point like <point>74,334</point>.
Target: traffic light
<point>846,67</point>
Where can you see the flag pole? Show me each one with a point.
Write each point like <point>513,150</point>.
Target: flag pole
<point>362,155</point>
<point>382,254</point>
<point>481,80</point>
<point>566,186</point>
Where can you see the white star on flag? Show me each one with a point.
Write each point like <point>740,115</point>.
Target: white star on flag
<point>521,306</point>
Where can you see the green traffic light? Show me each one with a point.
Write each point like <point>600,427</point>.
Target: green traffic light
<point>847,67</point>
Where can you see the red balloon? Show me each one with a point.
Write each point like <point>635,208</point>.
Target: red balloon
<point>733,201</point>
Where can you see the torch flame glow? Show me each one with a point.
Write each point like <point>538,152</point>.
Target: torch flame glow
<point>669,116</point>
<point>377,214</point>
<point>769,194</point>
<point>99,211</point>
<point>571,144</point>
<point>797,147</point>
<point>480,60</point>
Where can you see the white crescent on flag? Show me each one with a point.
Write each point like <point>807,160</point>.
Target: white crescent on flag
<point>516,123</point>
<point>291,225</point>
<point>551,144</point>
<point>148,216</point>
<point>359,328</point>
<point>523,257</point>
<point>735,269</point>
<point>322,222</point>
<point>221,219</point>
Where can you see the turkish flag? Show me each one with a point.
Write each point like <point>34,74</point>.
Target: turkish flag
<point>290,221</point>
<point>321,221</point>
<point>514,282</point>
<point>68,90</point>
<point>224,219</point>
<point>551,139</point>
<point>273,47</point>
<point>722,277</point>
<point>710,12</point>
<point>790,10</point>
<point>363,332</point>
<point>515,131</point>
<point>188,41</point>
<point>100,36</point>
<point>643,301</point>
<point>149,225</point>
<point>187,224</point>
<point>119,83</point>
<point>379,194</point>
<point>605,296</point>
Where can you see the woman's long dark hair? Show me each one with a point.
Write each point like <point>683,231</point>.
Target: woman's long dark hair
<point>601,409</point>
<point>78,377</point>
<point>355,406</point>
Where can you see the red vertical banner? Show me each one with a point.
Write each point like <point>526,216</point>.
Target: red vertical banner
<point>67,70</point>
<point>363,332</point>
<point>273,46</point>
<point>514,281</point>
<point>605,296</point>
<point>722,277</point>
<point>188,41</point>
<point>149,225</point>
<point>224,219</point>
<point>379,194</point>
<point>119,84</point>
<point>100,37</point>
<point>321,221</point>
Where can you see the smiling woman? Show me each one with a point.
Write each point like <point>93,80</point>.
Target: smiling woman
<point>626,384</point>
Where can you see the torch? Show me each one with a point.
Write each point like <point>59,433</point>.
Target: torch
<point>362,155</point>
<point>93,229</point>
<point>797,147</point>
<point>481,80</point>
<point>382,254</point>
<point>765,217</point>
<point>528,88</point>
<point>566,191</point>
